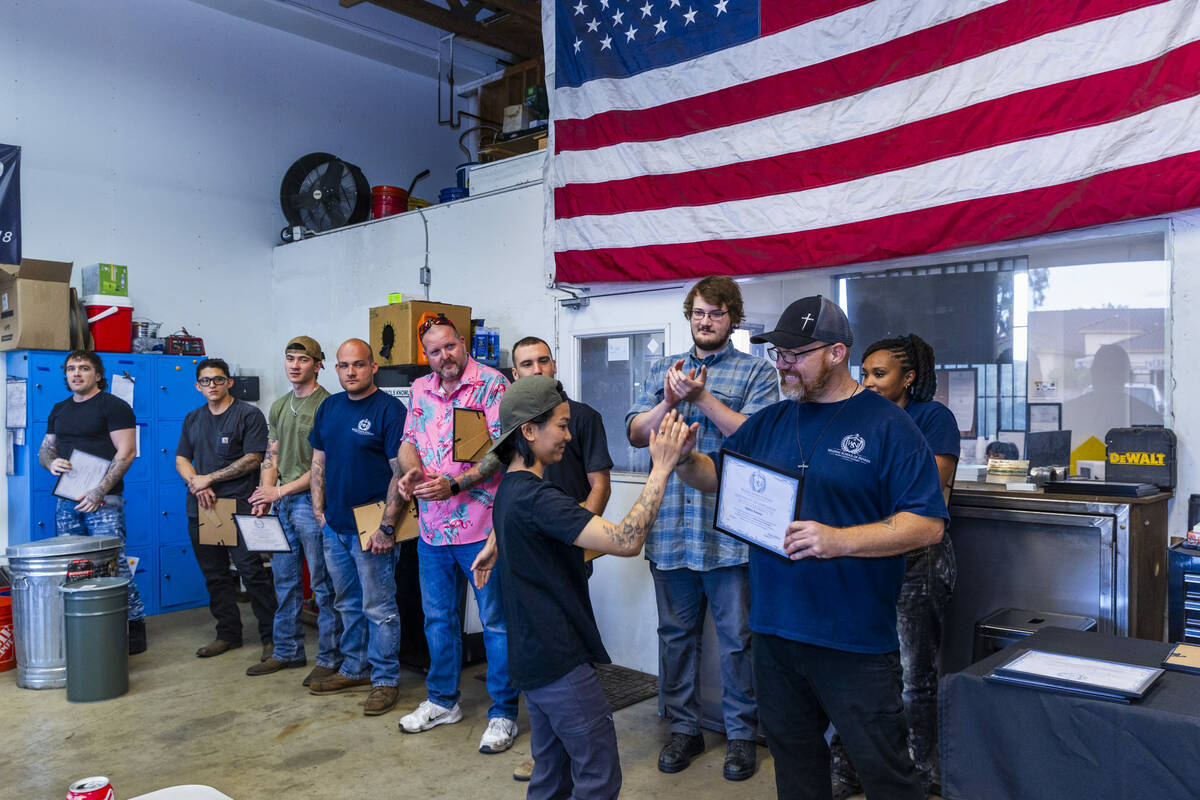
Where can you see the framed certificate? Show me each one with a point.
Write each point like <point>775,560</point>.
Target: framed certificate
<point>756,502</point>
<point>1075,672</point>
<point>86,473</point>
<point>262,534</point>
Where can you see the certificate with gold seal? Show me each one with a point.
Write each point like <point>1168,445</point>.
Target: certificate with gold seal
<point>756,502</point>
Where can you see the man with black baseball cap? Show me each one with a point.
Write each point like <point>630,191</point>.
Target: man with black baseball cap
<point>553,642</point>
<point>284,482</point>
<point>824,619</point>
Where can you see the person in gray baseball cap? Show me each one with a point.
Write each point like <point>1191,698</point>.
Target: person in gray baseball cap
<point>538,549</point>
<point>823,619</point>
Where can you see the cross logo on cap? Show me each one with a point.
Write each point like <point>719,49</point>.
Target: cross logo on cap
<point>807,318</point>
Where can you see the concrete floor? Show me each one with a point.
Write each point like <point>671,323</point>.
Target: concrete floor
<point>190,720</point>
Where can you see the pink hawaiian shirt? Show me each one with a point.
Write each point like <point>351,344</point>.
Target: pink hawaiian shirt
<point>466,517</point>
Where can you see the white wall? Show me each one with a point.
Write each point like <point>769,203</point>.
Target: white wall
<point>155,134</point>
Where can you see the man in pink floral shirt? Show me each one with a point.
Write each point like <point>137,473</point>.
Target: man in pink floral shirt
<point>455,503</point>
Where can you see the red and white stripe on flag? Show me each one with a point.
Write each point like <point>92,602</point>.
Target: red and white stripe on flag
<point>851,131</point>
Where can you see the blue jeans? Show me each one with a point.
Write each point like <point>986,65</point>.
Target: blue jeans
<point>364,586</point>
<point>304,535</point>
<point>443,568</point>
<point>683,596</point>
<point>573,740</point>
<point>108,520</point>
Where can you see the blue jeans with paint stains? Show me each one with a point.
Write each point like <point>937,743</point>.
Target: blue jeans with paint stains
<point>107,520</point>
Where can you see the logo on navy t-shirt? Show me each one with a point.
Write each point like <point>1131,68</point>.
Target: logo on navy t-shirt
<point>852,446</point>
<point>364,427</point>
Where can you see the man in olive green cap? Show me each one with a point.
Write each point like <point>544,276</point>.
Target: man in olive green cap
<point>284,479</point>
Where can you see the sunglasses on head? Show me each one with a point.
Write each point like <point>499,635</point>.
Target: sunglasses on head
<point>440,319</point>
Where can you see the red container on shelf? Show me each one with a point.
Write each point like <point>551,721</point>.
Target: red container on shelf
<point>110,319</point>
<point>8,646</point>
<point>388,200</point>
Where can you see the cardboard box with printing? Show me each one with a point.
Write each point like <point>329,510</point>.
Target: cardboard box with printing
<point>35,305</point>
<point>394,329</point>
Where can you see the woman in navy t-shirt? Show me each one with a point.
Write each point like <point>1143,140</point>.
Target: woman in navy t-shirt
<point>901,369</point>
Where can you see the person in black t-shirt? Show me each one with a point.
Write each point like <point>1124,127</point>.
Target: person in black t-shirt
<point>552,634</point>
<point>585,468</point>
<point>220,449</point>
<point>95,422</point>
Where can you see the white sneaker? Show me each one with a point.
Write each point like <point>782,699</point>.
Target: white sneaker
<point>499,735</point>
<point>429,715</point>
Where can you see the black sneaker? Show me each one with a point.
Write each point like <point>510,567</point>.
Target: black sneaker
<point>679,752</point>
<point>843,788</point>
<point>137,636</point>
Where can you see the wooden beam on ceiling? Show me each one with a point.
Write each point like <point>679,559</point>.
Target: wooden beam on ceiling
<point>522,39</point>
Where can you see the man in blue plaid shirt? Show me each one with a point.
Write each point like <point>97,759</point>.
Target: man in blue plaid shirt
<point>693,566</point>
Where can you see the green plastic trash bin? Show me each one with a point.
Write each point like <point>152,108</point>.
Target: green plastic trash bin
<point>95,614</point>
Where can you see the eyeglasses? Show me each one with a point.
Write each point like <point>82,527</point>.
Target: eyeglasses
<point>716,316</point>
<point>440,319</point>
<point>775,354</point>
<point>219,380</point>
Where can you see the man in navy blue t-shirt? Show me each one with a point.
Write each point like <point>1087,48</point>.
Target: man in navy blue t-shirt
<point>824,619</point>
<point>356,439</point>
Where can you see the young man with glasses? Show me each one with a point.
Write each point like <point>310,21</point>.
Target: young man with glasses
<point>455,504</point>
<point>824,619</point>
<point>95,422</point>
<point>693,566</point>
<point>220,449</point>
<point>284,483</point>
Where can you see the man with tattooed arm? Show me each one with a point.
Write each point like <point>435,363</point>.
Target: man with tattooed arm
<point>220,449</point>
<point>95,422</point>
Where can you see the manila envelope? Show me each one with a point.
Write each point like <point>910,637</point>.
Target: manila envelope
<point>216,523</point>
<point>367,518</point>
<point>471,437</point>
<point>588,555</point>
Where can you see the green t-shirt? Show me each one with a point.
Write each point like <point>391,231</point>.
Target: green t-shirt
<point>289,423</point>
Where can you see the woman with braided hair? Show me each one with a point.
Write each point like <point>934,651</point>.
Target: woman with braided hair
<point>901,369</point>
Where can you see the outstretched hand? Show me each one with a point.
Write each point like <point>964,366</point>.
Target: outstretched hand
<point>667,443</point>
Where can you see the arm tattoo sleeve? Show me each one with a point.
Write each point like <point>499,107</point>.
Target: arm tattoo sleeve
<point>244,465</point>
<point>631,532</point>
<point>272,455</point>
<point>488,466</point>
<point>391,511</point>
<point>47,452</point>
<point>116,470</point>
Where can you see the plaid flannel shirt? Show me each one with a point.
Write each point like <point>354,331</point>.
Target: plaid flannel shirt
<point>683,536</point>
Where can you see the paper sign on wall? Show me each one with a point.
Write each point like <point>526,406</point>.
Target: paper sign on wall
<point>618,348</point>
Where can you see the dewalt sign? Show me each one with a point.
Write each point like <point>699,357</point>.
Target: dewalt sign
<point>1138,459</point>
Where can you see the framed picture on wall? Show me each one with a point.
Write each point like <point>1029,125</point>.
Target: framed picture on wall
<point>1042,417</point>
<point>957,391</point>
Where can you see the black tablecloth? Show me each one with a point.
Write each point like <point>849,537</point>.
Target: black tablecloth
<point>1013,743</point>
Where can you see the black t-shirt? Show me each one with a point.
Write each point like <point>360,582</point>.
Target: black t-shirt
<point>86,426</point>
<point>586,452</point>
<point>551,627</point>
<point>211,442</point>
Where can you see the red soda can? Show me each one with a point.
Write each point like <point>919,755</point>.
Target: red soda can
<point>97,788</point>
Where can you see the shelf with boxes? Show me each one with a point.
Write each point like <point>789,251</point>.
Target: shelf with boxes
<point>155,517</point>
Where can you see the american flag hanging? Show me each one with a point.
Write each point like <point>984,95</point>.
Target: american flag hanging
<point>696,137</point>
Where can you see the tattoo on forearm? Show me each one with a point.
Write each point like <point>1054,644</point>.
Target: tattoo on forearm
<point>631,531</point>
<point>316,481</point>
<point>391,511</point>
<point>889,523</point>
<point>272,455</point>
<point>488,466</point>
<point>243,466</point>
<point>47,453</point>
<point>116,470</point>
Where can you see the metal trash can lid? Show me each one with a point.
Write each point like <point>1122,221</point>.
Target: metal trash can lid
<point>67,545</point>
<point>94,584</point>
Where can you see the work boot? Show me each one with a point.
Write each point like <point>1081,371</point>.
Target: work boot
<point>137,636</point>
<point>335,683</point>
<point>679,752</point>
<point>524,772</point>
<point>268,650</point>
<point>273,664</point>
<point>741,757</point>
<point>318,673</point>
<point>381,700</point>
<point>216,647</point>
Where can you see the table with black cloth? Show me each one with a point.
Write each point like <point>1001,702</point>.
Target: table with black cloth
<point>1002,742</point>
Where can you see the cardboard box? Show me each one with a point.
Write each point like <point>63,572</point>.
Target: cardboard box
<point>35,305</point>
<point>106,279</point>
<point>394,329</point>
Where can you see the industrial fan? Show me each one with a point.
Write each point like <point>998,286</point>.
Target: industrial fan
<point>321,192</point>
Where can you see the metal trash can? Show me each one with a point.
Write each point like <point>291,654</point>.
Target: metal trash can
<point>97,638</point>
<point>1009,625</point>
<point>38,569</point>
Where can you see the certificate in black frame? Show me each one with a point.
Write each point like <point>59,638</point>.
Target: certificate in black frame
<point>789,474</point>
<point>248,519</point>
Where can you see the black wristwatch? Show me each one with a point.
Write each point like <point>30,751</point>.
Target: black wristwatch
<point>454,487</point>
<point>388,530</point>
